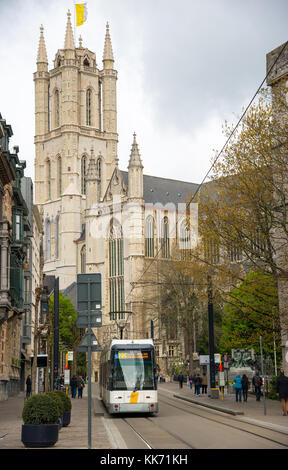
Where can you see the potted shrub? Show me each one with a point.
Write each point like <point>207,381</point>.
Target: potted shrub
<point>40,418</point>
<point>67,407</point>
<point>60,405</point>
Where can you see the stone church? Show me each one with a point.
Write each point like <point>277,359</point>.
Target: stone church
<point>98,218</point>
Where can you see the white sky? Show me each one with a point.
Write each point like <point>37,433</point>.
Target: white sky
<point>183,69</point>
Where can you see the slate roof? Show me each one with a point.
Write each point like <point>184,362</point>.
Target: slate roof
<point>164,190</point>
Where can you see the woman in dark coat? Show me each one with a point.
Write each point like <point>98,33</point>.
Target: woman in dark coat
<point>282,391</point>
<point>245,386</point>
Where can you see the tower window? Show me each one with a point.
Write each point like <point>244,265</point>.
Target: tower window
<point>86,62</point>
<point>57,109</point>
<point>83,174</point>
<point>83,259</point>
<point>49,180</point>
<point>47,239</point>
<point>59,176</point>
<point>165,240</point>
<point>116,271</point>
<point>149,237</point>
<point>88,107</point>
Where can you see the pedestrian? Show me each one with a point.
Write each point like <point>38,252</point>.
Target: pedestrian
<point>73,384</point>
<point>282,391</point>
<point>238,387</point>
<point>257,382</point>
<point>195,384</point>
<point>28,386</point>
<point>204,383</point>
<point>190,381</point>
<point>198,383</point>
<point>180,380</point>
<point>245,386</point>
<point>80,386</point>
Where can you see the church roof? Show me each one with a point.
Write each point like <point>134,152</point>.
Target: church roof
<point>164,190</point>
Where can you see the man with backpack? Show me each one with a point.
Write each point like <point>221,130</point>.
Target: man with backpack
<point>257,382</point>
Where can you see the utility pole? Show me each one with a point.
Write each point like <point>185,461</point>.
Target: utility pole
<point>213,389</point>
<point>56,334</point>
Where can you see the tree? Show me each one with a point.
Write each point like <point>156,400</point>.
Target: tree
<point>252,311</point>
<point>69,334</point>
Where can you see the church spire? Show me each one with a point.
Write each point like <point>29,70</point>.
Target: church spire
<point>108,52</point>
<point>42,54</point>
<point>69,38</point>
<point>135,160</point>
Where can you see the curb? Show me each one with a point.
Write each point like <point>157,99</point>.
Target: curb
<point>214,407</point>
<point>98,407</point>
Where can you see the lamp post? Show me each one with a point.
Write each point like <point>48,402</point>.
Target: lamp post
<point>214,391</point>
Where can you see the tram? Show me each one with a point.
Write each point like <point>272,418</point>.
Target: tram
<point>127,377</point>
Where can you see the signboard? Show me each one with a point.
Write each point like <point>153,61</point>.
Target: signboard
<point>205,359</point>
<point>83,346</point>
<point>221,379</point>
<point>70,355</point>
<point>95,318</point>
<point>67,377</point>
<point>94,302</point>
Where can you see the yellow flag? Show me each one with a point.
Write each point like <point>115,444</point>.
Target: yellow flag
<point>81,13</point>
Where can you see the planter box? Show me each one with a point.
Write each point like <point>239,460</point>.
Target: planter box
<point>39,435</point>
<point>66,418</point>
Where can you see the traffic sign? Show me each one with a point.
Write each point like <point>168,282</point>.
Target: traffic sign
<point>83,346</point>
<point>205,359</point>
<point>225,357</point>
<point>94,302</point>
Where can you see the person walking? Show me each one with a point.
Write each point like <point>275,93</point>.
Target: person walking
<point>73,385</point>
<point>257,383</point>
<point>80,386</point>
<point>204,383</point>
<point>245,386</point>
<point>190,381</point>
<point>198,384</point>
<point>238,387</point>
<point>282,391</point>
<point>28,386</point>
<point>180,380</point>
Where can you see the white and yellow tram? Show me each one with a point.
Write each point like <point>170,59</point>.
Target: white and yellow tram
<point>127,377</point>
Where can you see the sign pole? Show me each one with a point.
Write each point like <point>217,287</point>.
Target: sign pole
<point>262,372</point>
<point>89,367</point>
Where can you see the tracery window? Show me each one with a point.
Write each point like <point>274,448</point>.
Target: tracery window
<point>165,240</point>
<point>185,240</point>
<point>116,272</point>
<point>83,174</point>
<point>57,109</point>
<point>49,180</point>
<point>57,236</point>
<point>149,237</point>
<point>59,176</point>
<point>88,107</point>
<point>47,239</point>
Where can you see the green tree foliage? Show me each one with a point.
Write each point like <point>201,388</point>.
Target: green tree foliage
<point>251,311</point>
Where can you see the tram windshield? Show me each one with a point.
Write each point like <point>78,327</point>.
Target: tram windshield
<point>133,370</point>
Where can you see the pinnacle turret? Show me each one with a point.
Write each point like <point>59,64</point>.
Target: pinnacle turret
<point>69,38</point>
<point>108,52</point>
<point>135,160</point>
<point>42,54</point>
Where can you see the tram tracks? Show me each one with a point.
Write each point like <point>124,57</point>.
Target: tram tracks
<point>271,435</point>
<point>159,436</point>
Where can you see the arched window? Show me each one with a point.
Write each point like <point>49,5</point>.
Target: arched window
<point>57,109</point>
<point>185,240</point>
<point>116,272</point>
<point>88,107</point>
<point>47,253</point>
<point>99,176</point>
<point>149,237</point>
<point>48,180</point>
<point>83,174</point>
<point>83,259</point>
<point>165,241</point>
<point>59,176</point>
<point>86,62</point>
<point>57,220</point>
<point>211,250</point>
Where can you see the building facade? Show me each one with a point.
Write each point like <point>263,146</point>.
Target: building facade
<point>98,218</point>
<point>14,233</point>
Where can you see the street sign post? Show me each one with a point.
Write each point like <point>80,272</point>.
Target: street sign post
<point>88,305</point>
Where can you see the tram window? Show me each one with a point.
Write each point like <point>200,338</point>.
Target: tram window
<point>133,370</point>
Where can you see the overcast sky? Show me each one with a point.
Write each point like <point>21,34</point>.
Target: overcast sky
<point>183,67</point>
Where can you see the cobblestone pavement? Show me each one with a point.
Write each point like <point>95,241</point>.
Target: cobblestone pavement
<point>74,436</point>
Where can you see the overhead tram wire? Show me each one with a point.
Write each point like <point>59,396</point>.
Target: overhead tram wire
<point>216,158</point>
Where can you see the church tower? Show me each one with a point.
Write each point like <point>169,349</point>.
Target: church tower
<point>75,111</point>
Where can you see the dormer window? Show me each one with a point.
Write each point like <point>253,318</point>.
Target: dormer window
<point>86,62</point>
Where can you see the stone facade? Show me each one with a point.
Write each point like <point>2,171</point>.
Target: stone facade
<point>94,214</point>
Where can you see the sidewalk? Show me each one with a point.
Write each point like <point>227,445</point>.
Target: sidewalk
<point>74,436</point>
<point>251,411</point>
